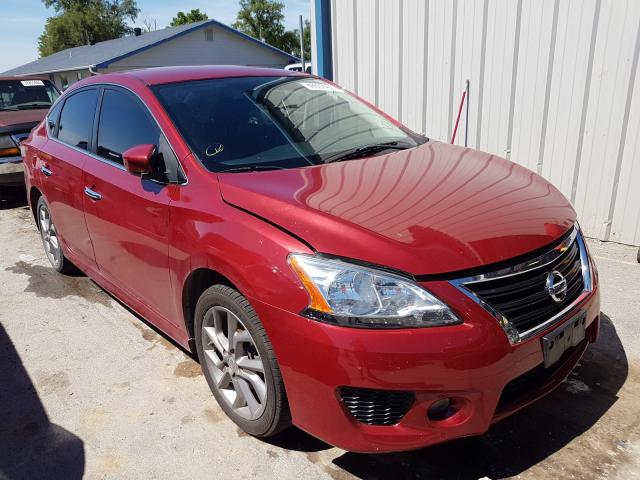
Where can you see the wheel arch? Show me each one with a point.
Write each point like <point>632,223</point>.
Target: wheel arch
<point>34,195</point>
<point>195,284</point>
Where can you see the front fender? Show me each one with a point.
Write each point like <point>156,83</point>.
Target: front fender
<point>246,250</point>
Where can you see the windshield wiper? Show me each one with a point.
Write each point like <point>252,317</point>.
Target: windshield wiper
<point>368,149</point>
<point>9,109</point>
<point>251,168</point>
<point>28,106</point>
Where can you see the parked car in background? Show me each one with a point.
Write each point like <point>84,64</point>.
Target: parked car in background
<point>329,267</point>
<point>23,104</point>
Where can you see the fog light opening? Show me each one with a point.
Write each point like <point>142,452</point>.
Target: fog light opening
<point>441,410</point>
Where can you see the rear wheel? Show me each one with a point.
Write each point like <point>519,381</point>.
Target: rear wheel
<point>50,239</point>
<point>238,362</point>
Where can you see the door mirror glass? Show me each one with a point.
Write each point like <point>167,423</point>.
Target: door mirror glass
<point>139,160</point>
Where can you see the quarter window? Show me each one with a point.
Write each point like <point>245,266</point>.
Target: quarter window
<point>76,119</point>
<point>53,118</point>
<point>123,124</point>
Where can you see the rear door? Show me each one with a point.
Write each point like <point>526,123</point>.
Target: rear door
<point>128,216</point>
<point>59,169</point>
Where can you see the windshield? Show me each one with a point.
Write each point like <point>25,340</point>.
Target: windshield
<point>251,123</point>
<point>27,94</point>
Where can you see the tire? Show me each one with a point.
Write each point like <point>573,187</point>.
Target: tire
<point>50,239</point>
<point>249,365</point>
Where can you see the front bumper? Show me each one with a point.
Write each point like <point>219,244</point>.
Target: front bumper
<point>11,172</point>
<point>471,363</point>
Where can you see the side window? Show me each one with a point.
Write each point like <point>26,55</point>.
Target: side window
<point>76,119</point>
<point>123,124</point>
<point>53,118</point>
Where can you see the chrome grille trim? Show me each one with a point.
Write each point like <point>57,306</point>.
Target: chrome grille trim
<point>539,262</point>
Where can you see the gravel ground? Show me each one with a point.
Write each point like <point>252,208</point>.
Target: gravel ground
<point>88,389</point>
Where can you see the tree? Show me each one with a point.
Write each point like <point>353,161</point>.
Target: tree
<point>85,22</point>
<point>262,19</point>
<point>181,18</point>
<point>150,24</point>
<point>292,41</point>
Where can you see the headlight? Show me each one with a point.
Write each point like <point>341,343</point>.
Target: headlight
<point>355,296</point>
<point>8,147</point>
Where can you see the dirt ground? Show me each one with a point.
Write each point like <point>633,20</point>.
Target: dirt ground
<point>88,389</point>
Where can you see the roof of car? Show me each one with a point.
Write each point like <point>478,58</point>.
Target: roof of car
<point>160,75</point>
<point>153,76</point>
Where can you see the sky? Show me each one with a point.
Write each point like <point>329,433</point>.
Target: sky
<point>23,21</point>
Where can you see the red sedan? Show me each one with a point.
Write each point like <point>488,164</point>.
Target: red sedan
<point>329,267</point>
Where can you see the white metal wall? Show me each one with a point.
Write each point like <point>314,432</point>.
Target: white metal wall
<point>554,87</point>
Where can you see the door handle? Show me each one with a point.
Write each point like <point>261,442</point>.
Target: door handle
<point>46,171</point>
<point>92,194</point>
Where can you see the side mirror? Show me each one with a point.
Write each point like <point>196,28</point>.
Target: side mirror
<point>139,160</point>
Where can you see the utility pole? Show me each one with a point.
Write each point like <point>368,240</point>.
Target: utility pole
<point>302,45</point>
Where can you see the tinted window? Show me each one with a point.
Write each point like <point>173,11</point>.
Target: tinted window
<point>53,117</point>
<point>123,124</point>
<point>76,119</point>
<point>276,122</point>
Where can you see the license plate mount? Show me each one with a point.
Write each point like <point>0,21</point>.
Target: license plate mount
<point>568,335</point>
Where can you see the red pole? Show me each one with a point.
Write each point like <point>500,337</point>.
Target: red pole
<point>455,129</point>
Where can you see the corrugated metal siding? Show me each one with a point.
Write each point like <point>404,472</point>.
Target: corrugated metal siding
<point>554,87</point>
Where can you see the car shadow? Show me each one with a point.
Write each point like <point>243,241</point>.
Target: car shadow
<point>30,445</point>
<point>12,197</point>
<point>295,439</point>
<point>521,441</point>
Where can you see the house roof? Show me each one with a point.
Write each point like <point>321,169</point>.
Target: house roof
<point>102,54</point>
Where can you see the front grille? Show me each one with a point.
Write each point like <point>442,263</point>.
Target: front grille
<point>521,297</point>
<point>376,407</point>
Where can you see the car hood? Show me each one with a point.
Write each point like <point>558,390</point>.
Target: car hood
<point>433,209</point>
<point>8,118</point>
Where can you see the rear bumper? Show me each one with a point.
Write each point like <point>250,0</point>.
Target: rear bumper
<point>470,363</point>
<point>11,172</point>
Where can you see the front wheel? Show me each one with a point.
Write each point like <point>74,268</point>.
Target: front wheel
<point>238,362</point>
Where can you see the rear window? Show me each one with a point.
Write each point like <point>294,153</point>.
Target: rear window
<point>27,94</point>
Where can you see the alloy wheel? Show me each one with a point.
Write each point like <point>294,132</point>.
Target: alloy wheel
<point>234,363</point>
<point>49,236</point>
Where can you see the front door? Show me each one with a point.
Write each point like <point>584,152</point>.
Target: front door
<point>128,216</point>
